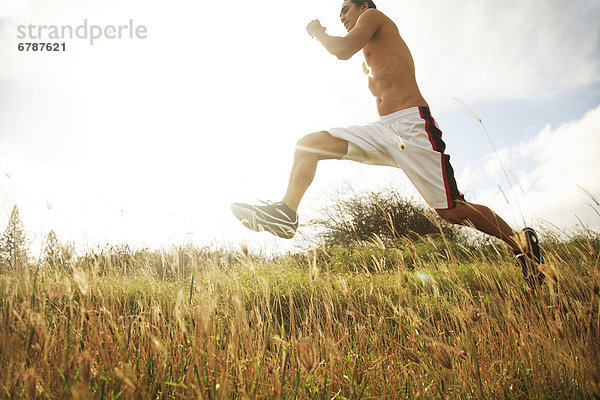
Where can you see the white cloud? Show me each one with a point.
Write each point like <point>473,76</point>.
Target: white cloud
<point>495,162</point>
<point>563,161</point>
<point>488,50</point>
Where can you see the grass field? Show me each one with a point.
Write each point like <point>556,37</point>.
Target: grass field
<point>421,319</point>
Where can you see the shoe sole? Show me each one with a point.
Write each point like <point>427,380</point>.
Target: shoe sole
<point>534,275</point>
<point>253,220</point>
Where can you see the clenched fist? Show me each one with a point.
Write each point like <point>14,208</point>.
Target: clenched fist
<point>314,27</point>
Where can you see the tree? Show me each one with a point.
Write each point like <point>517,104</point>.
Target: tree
<point>52,251</point>
<point>384,214</point>
<point>13,243</point>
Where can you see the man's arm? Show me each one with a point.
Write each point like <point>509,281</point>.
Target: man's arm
<point>345,47</point>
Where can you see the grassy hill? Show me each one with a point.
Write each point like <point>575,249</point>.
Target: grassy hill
<point>420,319</point>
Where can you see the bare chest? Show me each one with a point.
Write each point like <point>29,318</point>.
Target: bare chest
<point>374,56</point>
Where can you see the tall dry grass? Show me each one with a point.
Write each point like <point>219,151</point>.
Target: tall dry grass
<point>191,324</point>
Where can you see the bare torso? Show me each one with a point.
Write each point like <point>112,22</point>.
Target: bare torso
<point>391,70</point>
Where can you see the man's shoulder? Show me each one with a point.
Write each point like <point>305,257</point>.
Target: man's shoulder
<point>374,15</point>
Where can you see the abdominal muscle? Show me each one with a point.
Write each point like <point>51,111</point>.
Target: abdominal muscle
<point>392,72</point>
<point>394,98</point>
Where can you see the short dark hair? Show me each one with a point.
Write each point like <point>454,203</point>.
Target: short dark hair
<point>360,3</point>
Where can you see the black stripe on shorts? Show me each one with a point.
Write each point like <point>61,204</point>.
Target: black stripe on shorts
<point>435,138</point>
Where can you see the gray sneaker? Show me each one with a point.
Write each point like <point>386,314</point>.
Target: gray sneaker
<point>276,218</point>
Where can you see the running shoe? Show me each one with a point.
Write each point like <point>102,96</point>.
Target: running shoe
<point>275,218</point>
<point>531,259</point>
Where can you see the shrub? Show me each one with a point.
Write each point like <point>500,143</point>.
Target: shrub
<point>383,214</point>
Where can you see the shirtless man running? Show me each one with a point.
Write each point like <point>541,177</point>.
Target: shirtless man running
<point>406,136</point>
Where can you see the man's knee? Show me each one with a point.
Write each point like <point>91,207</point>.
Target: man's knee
<point>321,145</point>
<point>309,141</point>
<point>307,146</point>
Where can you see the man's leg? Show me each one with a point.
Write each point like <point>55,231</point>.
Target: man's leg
<point>483,219</point>
<point>309,151</point>
<point>525,244</point>
<point>281,218</point>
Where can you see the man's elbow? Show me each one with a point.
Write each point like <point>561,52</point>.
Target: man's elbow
<point>344,54</point>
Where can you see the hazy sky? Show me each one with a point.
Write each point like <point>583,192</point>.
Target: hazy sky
<point>148,141</point>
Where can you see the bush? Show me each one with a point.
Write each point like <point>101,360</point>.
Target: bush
<point>383,214</point>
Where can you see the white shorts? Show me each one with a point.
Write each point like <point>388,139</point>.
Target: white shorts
<point>411,140</point>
